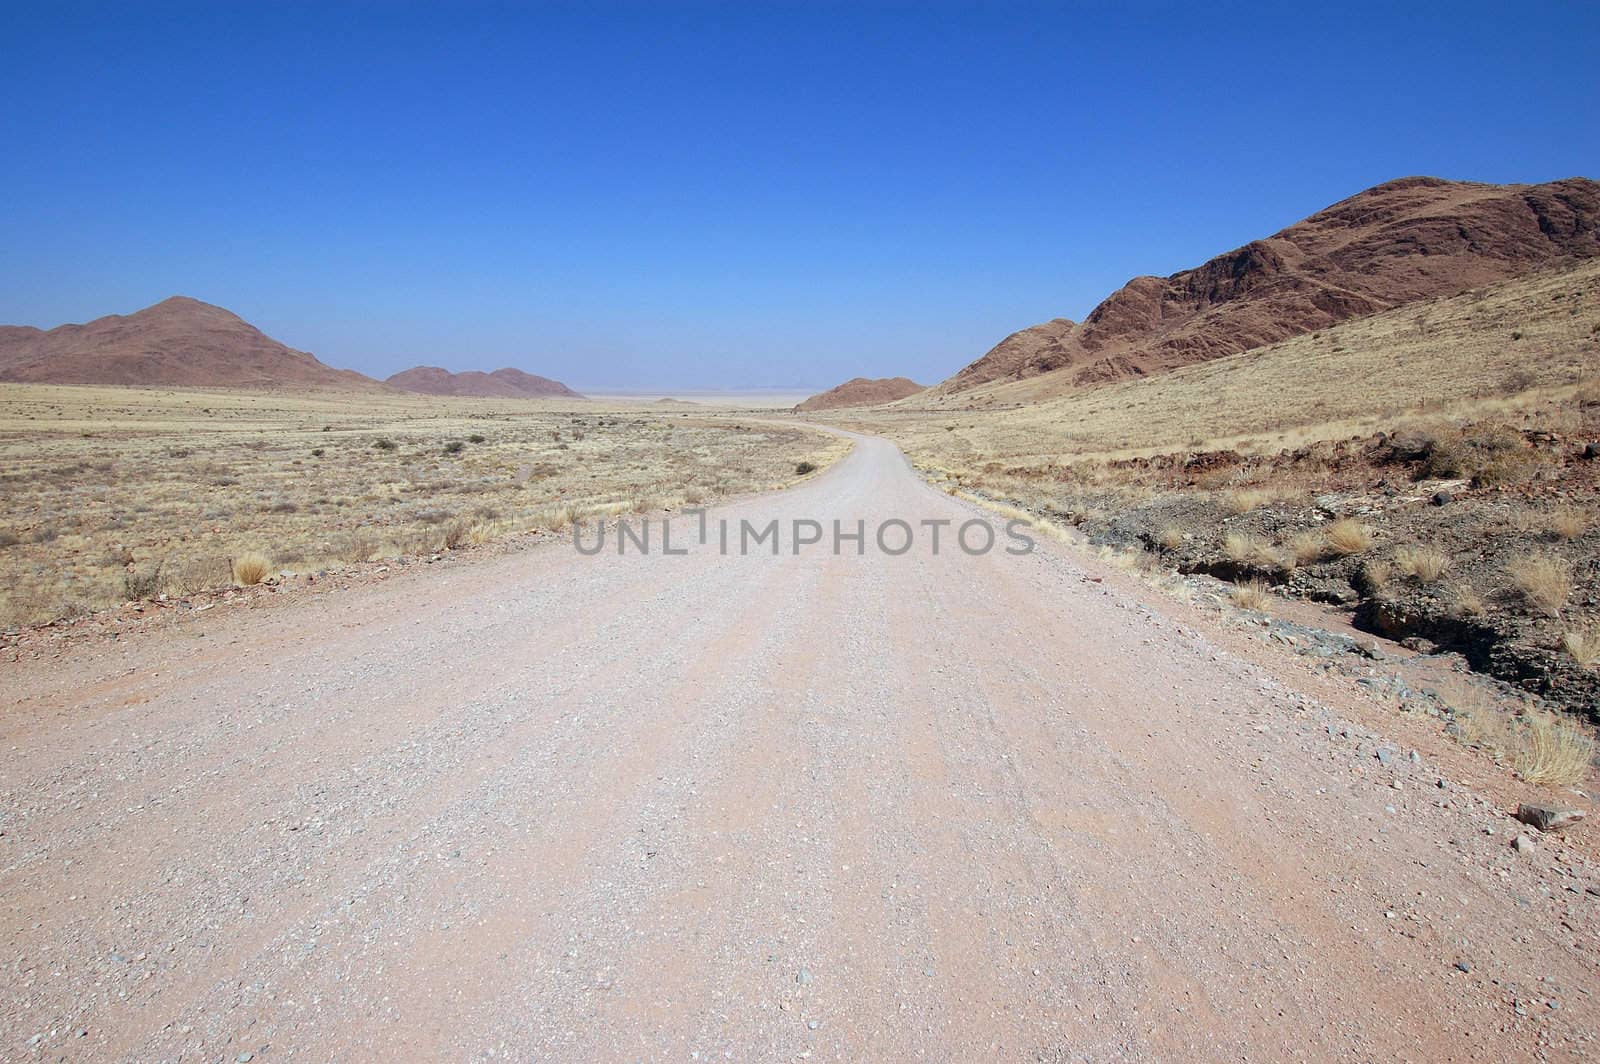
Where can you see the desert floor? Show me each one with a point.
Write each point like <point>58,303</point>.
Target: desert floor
<point>757,806</point>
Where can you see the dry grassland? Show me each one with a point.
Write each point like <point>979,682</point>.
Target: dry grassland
<point>111,494</point>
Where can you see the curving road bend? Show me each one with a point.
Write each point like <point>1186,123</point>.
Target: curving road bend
<point>549,806</point>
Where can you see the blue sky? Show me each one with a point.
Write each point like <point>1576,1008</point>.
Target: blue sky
<point>738,194</point>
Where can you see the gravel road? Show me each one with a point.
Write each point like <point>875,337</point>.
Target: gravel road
<point>706,807</point>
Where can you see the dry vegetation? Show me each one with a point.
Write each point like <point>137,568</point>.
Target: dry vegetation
<point>114,494</point>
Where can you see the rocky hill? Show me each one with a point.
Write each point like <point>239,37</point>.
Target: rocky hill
<point>178,342</point>
<point>507,383</point>
<point>862,391</point>
<point>1407,240</point>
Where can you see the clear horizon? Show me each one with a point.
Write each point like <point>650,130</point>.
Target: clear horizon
<point>642,198</point>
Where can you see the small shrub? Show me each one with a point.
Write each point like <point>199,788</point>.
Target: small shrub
<point>1245,500</point>
<point>455,534</point>
<point>250,568</point>
<point>383,443</point>
<point>1251,595</point>
<point>1583,646</point>
<point>1170,538</point>
<point>454,447</point>
<point>1424,563</point>
<point>9,538</point>
<point>1543,580</point>
<point>643,503</point>
<point>477,437</point>
<point>810,467</point>
<point>317,452</point>
<point>1347,536</point>
<point>694,496</point>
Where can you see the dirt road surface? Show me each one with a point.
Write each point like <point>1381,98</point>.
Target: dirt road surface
<point>932,806</point>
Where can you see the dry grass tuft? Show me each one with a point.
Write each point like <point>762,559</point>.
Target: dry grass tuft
<point>1308,546</point>
<point>1543,580</point>
<point>1245,500</point>
<point>1552,750</point>
<point>1170,538</point>
<point>1569,522</point>
<point>1347,536</point>
<point>1424,563</point>
<point>1583,646</point>
<point>1251,595</point>
<point>1466,602</point>
<point>1244,549</point>
<point>1375,576</point>
<point>250,568</point>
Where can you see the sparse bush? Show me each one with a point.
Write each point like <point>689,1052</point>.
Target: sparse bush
<point>1543,580</point>
<point>1251,595</point>
<point>1583,646</point>
<point>810,467</point>
<point>454,447</point>
<point>142,583</point>
<point>1423,563</point>
<point>1347,536</point>
<point>477,437</point>
<point>250,568</point>
<point>455,534</point>
<point>694,496</point>
<point>383,443</point>
<point>643,503</point>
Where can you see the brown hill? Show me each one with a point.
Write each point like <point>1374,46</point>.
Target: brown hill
<point>506,383</point>
<point>178,342</point>
<point>1411,239</point>
<point>862,391</point>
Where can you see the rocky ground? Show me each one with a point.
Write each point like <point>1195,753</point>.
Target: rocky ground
<point>1482,540</point>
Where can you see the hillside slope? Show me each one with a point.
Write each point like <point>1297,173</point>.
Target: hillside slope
<point>178,342</point>
<point>1407,240</point>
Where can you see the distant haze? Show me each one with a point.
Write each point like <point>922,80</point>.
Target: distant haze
<point>670,197</point>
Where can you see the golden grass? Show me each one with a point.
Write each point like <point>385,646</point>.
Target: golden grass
<point>1252,595</point>
<point>1347,536</point>
<point>1425,564</point>
<point>1170,538</point>
<point>1543,580</point>
<point>184,481</point>
<point>1584,646</point>
<point>250,568</point>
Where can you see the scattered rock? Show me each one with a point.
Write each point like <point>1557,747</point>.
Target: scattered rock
<point>1548,817</point>
<point>1463,966</point>
<point>1522,844</point>
<point>1442,498</point>
<point>1592,451</point>
<point>803,977</point>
